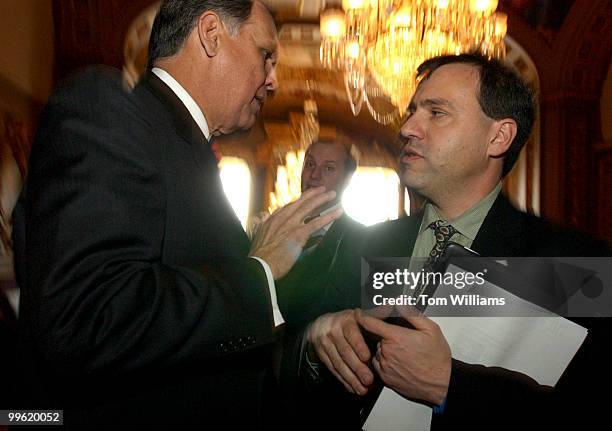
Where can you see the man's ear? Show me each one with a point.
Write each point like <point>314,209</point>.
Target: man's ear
<point>209,29</point>
<point>504,133</point>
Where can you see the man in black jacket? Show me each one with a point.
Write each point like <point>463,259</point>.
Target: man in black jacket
<point>466,125</point>
<point>142,301</point>
<point>327,163</point>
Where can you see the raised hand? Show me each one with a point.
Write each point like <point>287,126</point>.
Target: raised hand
<point>279,240</point>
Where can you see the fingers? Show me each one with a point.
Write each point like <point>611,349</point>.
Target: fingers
<point>343,361</point>
<point>354,351</point>
<point>292,215</point>
<point>417,319</point>
<point>358,344</point>
<point>309,201</point>
<point>407,311</point>
<point>376,362</point>
<point>262,216</point>
<point>318,194</point>
<point>379,312</point>
<point>330,366</point>
<point>340,346</point>
<point>374,325</point>
<point>321,221</point>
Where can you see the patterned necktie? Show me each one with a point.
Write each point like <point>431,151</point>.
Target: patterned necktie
<point>443,234</point>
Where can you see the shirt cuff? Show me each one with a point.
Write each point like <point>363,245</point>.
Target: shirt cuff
<point>278,317</point>
<point>438,410</point>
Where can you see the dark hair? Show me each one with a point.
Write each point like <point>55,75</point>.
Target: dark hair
<point>176,19</point>
<point>503,94</point>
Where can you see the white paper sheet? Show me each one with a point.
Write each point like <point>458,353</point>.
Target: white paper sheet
<point>540,346</point>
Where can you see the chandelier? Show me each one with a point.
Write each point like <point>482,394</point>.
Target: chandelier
<point>378,44</point>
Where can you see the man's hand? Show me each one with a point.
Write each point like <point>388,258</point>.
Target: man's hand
<point>256,221</point>
<point>339,344</point>
<point>414,362</point>
<point>279,240</point>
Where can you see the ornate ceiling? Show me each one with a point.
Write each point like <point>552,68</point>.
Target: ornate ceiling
<point>84,36</point>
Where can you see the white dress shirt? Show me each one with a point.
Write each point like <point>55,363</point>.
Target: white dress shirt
<point>198,117</point>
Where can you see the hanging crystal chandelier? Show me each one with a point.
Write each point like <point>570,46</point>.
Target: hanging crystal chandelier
<point>378,44</point>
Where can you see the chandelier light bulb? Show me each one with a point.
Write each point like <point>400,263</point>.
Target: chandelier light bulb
<point>333,24</point>
<point>501,24</point>
<point>352,50</point>
<point>402,17</point>
<point>353,4</point>
<point>485,7</point>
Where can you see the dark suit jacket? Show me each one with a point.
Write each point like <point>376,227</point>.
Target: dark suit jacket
<point>300,298</point>
<point>138,302</point>
<point>482,397</point>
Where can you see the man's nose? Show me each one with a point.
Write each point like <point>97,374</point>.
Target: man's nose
<point>271,79</point>
<point>316,173</point>
<point>412,127</point>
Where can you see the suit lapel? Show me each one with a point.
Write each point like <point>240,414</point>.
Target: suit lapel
<point>399,237</point>
<point>322,256</point>
<point>184,124</point>
<point>186,128</point>
<point>502,231</point>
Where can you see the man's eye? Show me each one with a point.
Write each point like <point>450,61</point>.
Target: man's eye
<point>330,168</point>
<point>437,113</point>
<point>409,112</point>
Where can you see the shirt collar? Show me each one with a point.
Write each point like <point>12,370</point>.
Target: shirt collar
<point>468,224</point>
<point>183,95</point>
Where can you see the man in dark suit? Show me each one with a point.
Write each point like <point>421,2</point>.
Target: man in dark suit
<point>327,163</point>
<point>466,124</point>
<point>142,302</point>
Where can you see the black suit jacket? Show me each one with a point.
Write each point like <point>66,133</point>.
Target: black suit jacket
<point>485,397</point>
<point>139,304</point>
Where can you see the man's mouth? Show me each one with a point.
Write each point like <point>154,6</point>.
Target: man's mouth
<point>260,101</point>
<point>409,155</point>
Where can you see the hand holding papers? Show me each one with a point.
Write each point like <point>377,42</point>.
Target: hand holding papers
<point>538,343</point>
